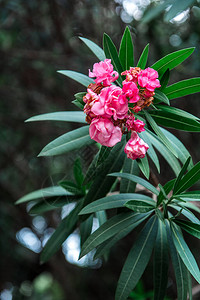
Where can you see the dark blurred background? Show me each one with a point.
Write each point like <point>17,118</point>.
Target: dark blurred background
<point>37,38</point>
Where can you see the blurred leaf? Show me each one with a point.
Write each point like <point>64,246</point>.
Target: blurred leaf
<point>185,253</point>
<point>159,133</point>
<point>81,78</point>
<point>143,164</point>
<point>103,154</point>
<point>179,268</point>
<point>67,142</point>
<point>78,104</point>
<point>183,88</point>
<point>181,174</point>
<point>130,166</point>
<point>101,216</point>
<point>189,179</point>
<point>161,263</point>
<point>143,58</point>
<point>126,50</point>
<point>137,179</point>
<point>78,173</point>
<point>69,116</point>
<point>155,11</point>
<point>170,61</point>
<point>107,230</point>
<point>94,48</point>
<point>161,97</point>
<point>137,260</point>
<point>113,201</point>
<point>52,191</point>
<point>64,229</point>
<point>111,52</point>
<point>140,206</point>
<point>71,187</point>
<point>177,8</point>
<point>190,227</point>
<point>190,196</point>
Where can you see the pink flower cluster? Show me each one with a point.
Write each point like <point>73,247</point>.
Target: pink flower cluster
<point>110,109</point>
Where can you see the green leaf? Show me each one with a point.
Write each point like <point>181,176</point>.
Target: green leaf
<point>168,156</point>
<point>180,148</point>
<point>68,116</point>
<point>71,187</point>
<point>78,104</point>
<point>180,175</point>
<point>78,173</point>
<point>67,142</point>
<point>190,227</point>
<point>126,50</point>
<point>151,152</point>
<point>159,133</point>
<point>190,206</point>
<point>137,260</point>
<point>179,268</point>
<point>113,201</point>
<point>52,191</point>
<point>140,206</point>
<point>143,58</point>
<point>177,111</point>
<point>101,216</point>
<point>103,154</point>
<point>65,228</point>
<point>164,80</point>
<point>105,246</point>
<point>161,263</point>
<point>161,97</point>
<point>102,183</point>
<point>92,170</point>
<point>130,166</point>
<point>189,179</point>
<point>173,120</point>
<point>143,164</point>
<point>177,8</point>
<point>183,88</point>
<point>94,48</point>
<point>185,253</point>
<point>107,230</point>
<point>186,212</point>
<point>81,78</point>
<point>172,60</point>
<point>167,188</point>
<point>111,52</point>
<point>155,11</point>
<point>44,206</point>
<point>137,179</point>
<point>85,229</point>
<point>190,196</point>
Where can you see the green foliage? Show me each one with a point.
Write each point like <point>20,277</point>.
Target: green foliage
<point>143,58</point>
<point>126,50</point>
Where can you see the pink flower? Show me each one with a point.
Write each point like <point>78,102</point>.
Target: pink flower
<point>111,103</point>
<point>135,125</point>
<point>132,74</point>
<point>103,71</point>
<point>130,90</point>
<point>136,147</point>
<point>148,79</point>
<point>136,109</point>
<point>90,98</point>
<point>104,132</point>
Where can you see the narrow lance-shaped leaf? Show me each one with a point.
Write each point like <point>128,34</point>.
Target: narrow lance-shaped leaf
<point>143,58</point>
<point>164,80</point>
<point>177,8</point>
<point>67,142</point>
<point>185,253</point>
<point>172,60</point>
<point>94,48</point>
<point>107,230</point>
<point>140,206</point>
<point>190,227</point>
<point>111,52</point>
<point>179,268</point>
<point>156,11</point>
<point>81,78</point>
<point>143,164</point>
<point>130,166</point>
<point>67,116</point>
<point>159,133</point>
<point>186,212</point>
<point>113,201</point>
<point>126,50</point>
<point>177,111</point>
<point>85,229</point>
<point>180,175</point>
<point>160,96</point>
<point>53,191</point>
<point>190,196</point>
<point>167,188</point>
<point>189,179</point>
<point>183,88</point>
<point>137,179</point>
<point>161,262</point>
<point>137,260</point>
